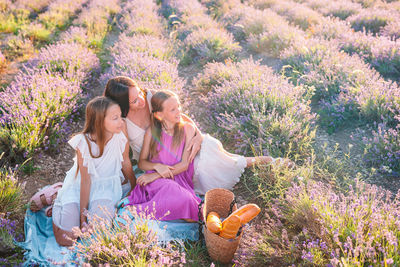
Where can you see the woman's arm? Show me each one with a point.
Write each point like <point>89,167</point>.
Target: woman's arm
<point>127,167</point>
<point>182,166</point>
<point>85,189</point>
<point>195,144</point>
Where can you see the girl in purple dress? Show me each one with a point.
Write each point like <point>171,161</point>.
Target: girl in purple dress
<point>165,145</point>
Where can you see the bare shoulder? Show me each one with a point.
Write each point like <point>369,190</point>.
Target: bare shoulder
<point>148,132</point>
<point>189,130</point>
<point>125,129</point>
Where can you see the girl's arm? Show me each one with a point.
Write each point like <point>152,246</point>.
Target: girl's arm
<point>144,162</point>
<point>85,189</point>
<point>177,168</point>
<point>195,144</point>
<point>127,168</point>
<point>163,170</point>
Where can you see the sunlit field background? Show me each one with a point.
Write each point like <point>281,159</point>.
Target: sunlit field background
<point>315,81</point>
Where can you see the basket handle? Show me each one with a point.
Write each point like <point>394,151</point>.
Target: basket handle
<point>232,204</point>
<point>200,221</point>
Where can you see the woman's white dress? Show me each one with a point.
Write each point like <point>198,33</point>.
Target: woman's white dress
<point>105,173</point>
<point>214,167</point>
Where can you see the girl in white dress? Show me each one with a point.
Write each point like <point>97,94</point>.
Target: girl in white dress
<point>93,185</point>
<point>214,167</point>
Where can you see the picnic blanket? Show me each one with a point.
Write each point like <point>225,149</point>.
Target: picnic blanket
<point>42,249</point>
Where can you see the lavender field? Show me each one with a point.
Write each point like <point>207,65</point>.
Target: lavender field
<point>317,81</point>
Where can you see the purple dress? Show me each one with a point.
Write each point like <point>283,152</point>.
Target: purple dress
<point>174,195</point>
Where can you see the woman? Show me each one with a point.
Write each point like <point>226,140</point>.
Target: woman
<point>213,166</point>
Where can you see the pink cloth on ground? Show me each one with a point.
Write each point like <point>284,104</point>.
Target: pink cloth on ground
<point>174,195</point>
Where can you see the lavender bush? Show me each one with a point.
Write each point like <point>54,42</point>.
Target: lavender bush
<point>381,52</point>
<point>345,85</point>
<point>150,72</point>
<point>75,34</point>
<point>185,8</point>
<point>194,23</point>
<point>33,5</point>
<point>140,17</point>
<point>371,20</point>
<point>8,234</point>
<point>339,9</point>
<point>213,44</point>
<point>366,3</point>
<point>94,18</point>
<point>35,108</point>
<point>314,225</point>
<point>262,4</point>
<point>330,29</point>
<point>217,8</point>
<point>11,202</point>
<point>144,57</point>
<point>12,19</point>
<point>391,30</point>
<point>383,147</point>
<point>133,244</point>
<point>19,47</point>
<point>59,13</point>
<point>393,5</point>
<point>6,5</point>
<point>37,32</point>
<point>244,21</point>
<point>150,45</point>
<point>11,192</point>
<point>298,14</point>
<point>203,39</point>
<point>342,9</point>
<point>253,108</point>
<point>73,61</point>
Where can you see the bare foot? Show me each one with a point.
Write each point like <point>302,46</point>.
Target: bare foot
<point>284,162</point>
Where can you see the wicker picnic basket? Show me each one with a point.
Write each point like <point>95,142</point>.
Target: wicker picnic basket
<point>219,248</point>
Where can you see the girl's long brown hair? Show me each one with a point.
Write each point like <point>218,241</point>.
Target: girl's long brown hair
<point>157,101</point>
<point>94,124</point>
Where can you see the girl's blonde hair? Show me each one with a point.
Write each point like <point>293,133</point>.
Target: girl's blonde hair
<point>157,101</point>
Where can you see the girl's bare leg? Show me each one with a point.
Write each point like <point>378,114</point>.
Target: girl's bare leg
<point>251,161</point>
<point>63,238</point>
<point>269,160</point>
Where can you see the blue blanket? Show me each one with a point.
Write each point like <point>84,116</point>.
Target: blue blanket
<point>42,249</point>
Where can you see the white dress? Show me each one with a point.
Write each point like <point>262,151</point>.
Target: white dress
<point>214,167</point>
<point>105,173</point>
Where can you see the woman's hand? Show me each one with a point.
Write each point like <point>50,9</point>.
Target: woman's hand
<point>164,170</point>
<point>147,178</point>
<point>195,145</point>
